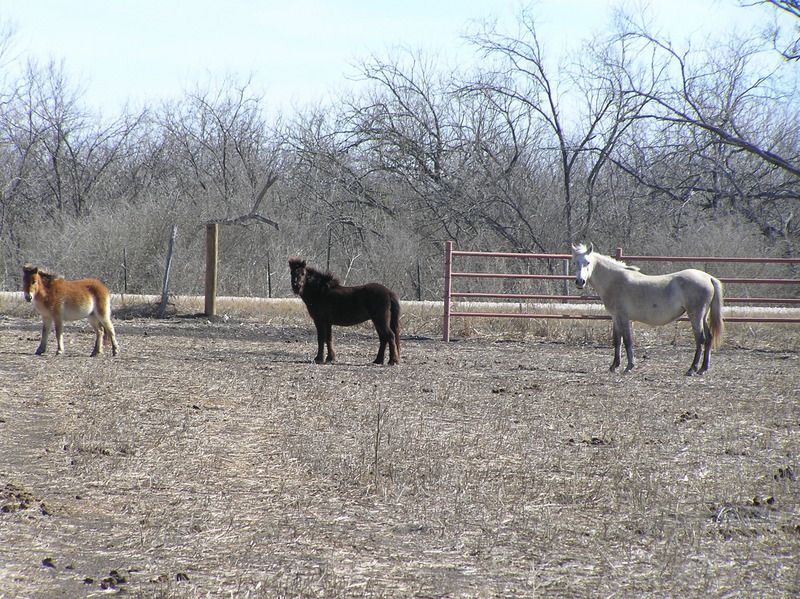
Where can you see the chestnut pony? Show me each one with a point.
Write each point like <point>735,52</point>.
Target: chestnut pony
<point>58,301</point>
<point>331,303</point>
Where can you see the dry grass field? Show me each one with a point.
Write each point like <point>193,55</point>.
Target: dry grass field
<point>214,459</point>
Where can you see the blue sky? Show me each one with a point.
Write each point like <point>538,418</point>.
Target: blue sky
<point>297,51</point>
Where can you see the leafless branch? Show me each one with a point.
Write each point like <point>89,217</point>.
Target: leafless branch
<point>253,214</point>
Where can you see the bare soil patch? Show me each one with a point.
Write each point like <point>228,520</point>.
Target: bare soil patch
<point>215,459</point>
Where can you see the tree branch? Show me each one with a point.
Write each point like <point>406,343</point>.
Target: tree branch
<point>253,214</point>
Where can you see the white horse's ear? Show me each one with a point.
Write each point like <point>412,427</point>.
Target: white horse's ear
<point>590,249</point>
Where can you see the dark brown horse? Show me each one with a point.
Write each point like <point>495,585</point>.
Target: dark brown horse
<point>330,303</point>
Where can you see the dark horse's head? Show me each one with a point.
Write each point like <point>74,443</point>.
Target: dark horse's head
<point>298,270</point>
<point>308,280</point>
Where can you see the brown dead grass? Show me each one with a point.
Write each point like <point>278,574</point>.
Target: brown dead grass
<point>214,459</point>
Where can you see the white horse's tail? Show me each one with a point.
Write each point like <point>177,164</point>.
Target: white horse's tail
<point>715,317</point>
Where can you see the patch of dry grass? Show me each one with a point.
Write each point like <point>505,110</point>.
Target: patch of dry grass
<point>212,458</point>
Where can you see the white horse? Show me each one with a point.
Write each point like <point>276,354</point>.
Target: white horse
<point>630,295</point>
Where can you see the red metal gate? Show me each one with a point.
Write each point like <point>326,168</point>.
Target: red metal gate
<point>451,274</point>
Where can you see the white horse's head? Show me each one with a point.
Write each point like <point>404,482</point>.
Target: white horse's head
<point>583,260</point>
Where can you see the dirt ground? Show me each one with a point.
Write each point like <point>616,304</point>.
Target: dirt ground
<point>216,460</point>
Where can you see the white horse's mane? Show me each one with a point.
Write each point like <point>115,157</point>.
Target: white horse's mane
<point>582,248</point>
<point>618,263</point>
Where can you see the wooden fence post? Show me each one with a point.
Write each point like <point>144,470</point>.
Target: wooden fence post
<point>212,255</point>
<point>162,309</point>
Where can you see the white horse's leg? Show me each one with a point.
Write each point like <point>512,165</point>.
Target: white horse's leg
<point>102,325</point>
<point>709,338</point>
<point>627,337</point>
<point>698,326</point>
<point>104,316</point>
<point>617,346</point>
<point>47,326</point>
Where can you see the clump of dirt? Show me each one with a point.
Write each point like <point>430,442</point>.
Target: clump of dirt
<point>14,499</point>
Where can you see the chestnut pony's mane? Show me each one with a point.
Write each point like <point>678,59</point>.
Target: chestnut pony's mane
<point>42,273</point>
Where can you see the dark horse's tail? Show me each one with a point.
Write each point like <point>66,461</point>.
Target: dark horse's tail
<point>395,323</point>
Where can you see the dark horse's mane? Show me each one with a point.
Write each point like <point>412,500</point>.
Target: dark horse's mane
<point>316,279</point>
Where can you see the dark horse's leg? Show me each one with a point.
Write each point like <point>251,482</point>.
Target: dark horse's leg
<point>331,353</point>
<point>381,350</point>
<point>386,338</point>
<point>322,327</point>
<point>387,324</point>
<point>394,325</point>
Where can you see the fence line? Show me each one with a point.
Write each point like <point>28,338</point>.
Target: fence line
<point>451,274</point>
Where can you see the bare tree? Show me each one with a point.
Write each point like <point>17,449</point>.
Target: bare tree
<point>719,129</point>
<point>686,92</point>
<point>584,108</point>
<point>58,161</point>
<point>216,148</point>
<point>790,49</point>
<point>254,211</point>
<point>404,128</point>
